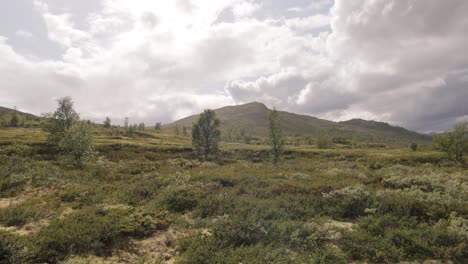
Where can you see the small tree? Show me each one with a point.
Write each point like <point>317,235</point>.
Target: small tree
<point>77,145</point>
<point>14,121</point>
<point>158,127</point>
<point>59,121</point>
<point>323,141</point>
<point>454,142</point>
<point>107,122</point>
<point>141,126</point>
<point>414,146</point>
<point>275,135</point>
<point>206,134</point>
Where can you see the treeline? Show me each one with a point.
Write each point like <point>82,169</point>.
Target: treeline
<point>72,137</point>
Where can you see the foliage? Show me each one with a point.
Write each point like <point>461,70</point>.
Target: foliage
<point>107,122</point>
<point>414,146</point>
<point>206,134</point>
<point>323,140</point>
<point>77,143</point>
<point>141,200</point>
<point>60,121</point>
<point>158,127</point>
<point>92,231</point>
<point>454,142</point>
<point>276,135</point>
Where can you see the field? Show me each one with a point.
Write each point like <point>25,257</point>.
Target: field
<point>148,200</point>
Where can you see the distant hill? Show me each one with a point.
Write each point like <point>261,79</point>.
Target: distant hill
<point>26,119</point>
<point>9,111</point>
<point>253,118</point>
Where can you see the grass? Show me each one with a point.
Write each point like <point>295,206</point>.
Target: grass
<point>148,200</point>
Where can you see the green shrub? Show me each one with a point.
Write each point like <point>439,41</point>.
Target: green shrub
<point>180,199</point>
<point>10,248</point>
<point>392,239</point>
<point>348,202</point>
<point>93,231</point>
<point>19,215</point>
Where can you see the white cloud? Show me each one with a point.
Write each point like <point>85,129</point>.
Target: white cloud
<point>395,61</point>
<point>24,34</point>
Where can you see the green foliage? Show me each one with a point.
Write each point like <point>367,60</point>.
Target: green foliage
<point>107,122</point>
<point>180,199</point>
<point>10,248</point>
<point>158,127</point>
<point>414,146</point>
<point>77,143</point>
<point>455,142</point>
<point>93,231</point>
<point>323,141</point>
<point>19,215</point>
<point>15,119</point>
<point>392,239</point>
<point>349,202</point>
<point>60,121</point>
<point>275,135</point>
<point>206,134</point>
<point>374,205</point>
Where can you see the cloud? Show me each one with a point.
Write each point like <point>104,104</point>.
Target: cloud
<point>24,34</point>
<point>396,61</point>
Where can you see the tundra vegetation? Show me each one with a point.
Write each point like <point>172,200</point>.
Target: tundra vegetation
<point>148,197</point>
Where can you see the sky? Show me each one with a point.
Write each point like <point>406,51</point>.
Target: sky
<point>403,61</point>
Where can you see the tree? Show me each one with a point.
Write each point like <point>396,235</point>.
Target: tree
<point>276,135</point>
<point>206,134</point>
<point>77,145</point>
<point>14,121</point>
<point>59,121</point>
<point>158,127</point>
<point>107,122</point>
<point>126,124</point>
<point>141,126</point>
<point>414,146</point>
<point>454,142</point>
<point>323,140</point>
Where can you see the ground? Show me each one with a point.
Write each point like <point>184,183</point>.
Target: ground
<point>149,200</point>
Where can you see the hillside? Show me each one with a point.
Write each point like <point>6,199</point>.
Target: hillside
<point>253,119</point>
<point>25,119</point>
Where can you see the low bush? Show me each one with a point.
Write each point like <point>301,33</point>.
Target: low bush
<point>93,231</point>
<point>349,202</point>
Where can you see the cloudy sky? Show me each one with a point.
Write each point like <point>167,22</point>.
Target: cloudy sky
<point>399,61</point>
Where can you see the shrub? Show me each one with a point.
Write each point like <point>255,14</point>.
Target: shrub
<point>93,231</point>
<point>348,202</point>
<point>180,199</point>
<point>77,144</point>
<point>455,142</point>
<point>10,247</point>
<point>19,215</point>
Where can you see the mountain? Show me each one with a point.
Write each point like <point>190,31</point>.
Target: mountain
<point>9,111</point>
<point>253,119</point>
<point>24,119</point>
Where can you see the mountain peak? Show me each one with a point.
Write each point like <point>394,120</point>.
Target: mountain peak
<point>254,103</point>
<point>253,119</point>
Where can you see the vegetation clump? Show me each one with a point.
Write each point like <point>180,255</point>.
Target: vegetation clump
<point>206,135</point>
<point>454,142</point>
<point>275,135</point>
